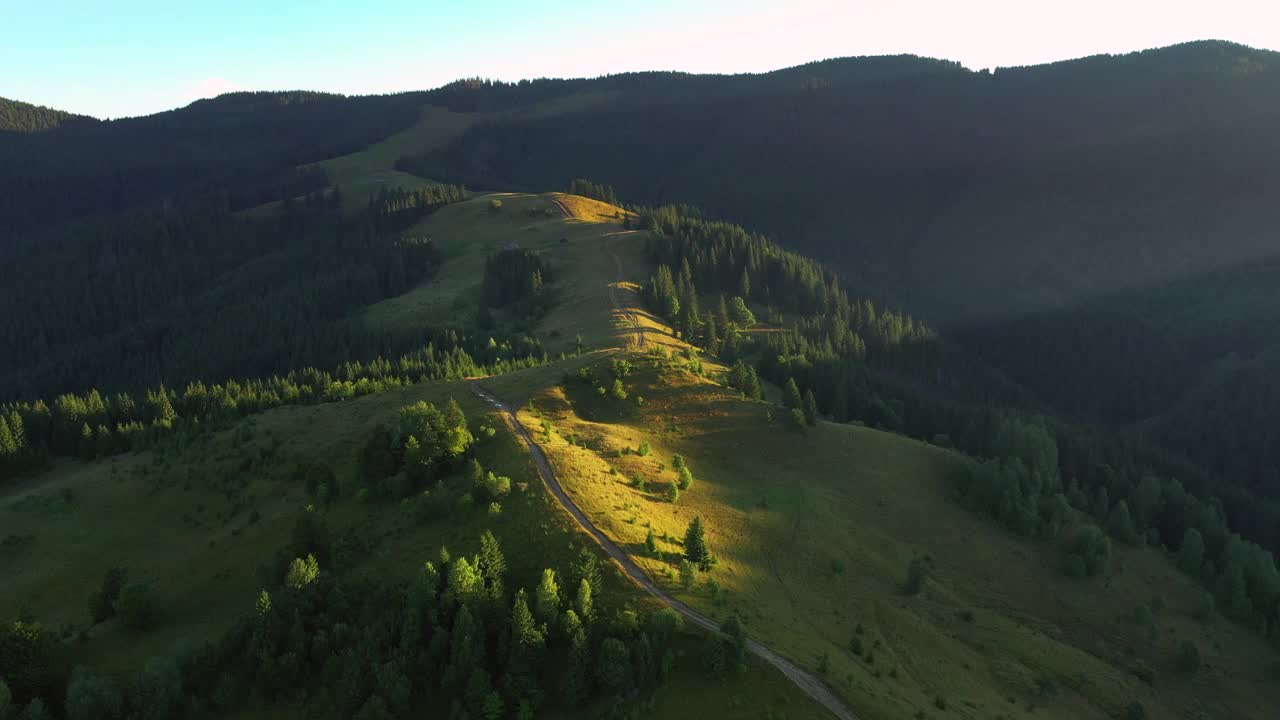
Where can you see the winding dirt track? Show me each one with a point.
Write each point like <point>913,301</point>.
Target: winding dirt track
<point>807,682</point>
<point>632,319</point>
<point>810,684</point>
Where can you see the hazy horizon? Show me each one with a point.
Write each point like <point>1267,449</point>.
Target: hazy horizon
<point>145,56</point>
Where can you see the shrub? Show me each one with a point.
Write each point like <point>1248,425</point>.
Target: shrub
<point>493,488</point>
<point>495,205</point>
<point>644,449</point>
<point>673,493</point>
<point>686,478</point>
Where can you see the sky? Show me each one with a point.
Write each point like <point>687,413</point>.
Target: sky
<point>135,57</point>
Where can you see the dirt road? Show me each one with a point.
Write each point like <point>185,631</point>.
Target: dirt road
<point>807,682</point>
<point>629,316</point>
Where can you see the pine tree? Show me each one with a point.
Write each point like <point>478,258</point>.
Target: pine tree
<point>740,314</point>
<point>695,543</point>
<point>19,430</point>
<point>492,565</point>
<point>1120,523</point>
<point>791,394</point>
<point>302,572</point>
<point>587,567</point>
<point>585,603</point>
<point>527,641</point>
<point>8,444</point>
<point>810,407</point>
<point>651,543</point>
<point>547,598</point>
<point>711,334</point>
<point>465,585</point>
<point>686,478</point>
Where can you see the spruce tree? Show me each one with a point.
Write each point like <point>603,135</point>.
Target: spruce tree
<point>1120,523</point>
<point>810,407</point>
<point>492,565</point>
<point>791,394</point>
<point>695,543</point>
<point>585,604</point>
<point>19,430</point>
<point>587,567</point>
<point>547,598</point>
<point>527,641</point>
<point>651,543</point>
<point>8,445</point>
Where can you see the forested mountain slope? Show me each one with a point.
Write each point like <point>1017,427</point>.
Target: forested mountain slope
<point>962,195</point>
<point>20,117</point>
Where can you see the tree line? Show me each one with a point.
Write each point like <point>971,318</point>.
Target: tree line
<point>96,424</point>
<point>595,191</point>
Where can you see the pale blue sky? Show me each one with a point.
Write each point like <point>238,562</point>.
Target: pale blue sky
<point>131,57</point>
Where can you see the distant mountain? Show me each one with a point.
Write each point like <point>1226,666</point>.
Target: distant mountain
<point>963,195</point>
<point>23,117</point>
<point>246,146</point>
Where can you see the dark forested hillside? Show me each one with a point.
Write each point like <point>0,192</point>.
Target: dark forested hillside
<point>195,291</point>
<point>1192,364</point>
<point>963,195</point>
<point>243,146</point>
<point>20,117</point>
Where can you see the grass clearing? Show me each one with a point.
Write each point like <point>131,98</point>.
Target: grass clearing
<point>466,233</point>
